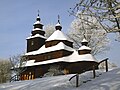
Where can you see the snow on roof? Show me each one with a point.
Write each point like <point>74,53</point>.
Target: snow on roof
<point>75,57</point>
<point>84,40</point>
<point>58,24</point>
<point>58,35</point>
<point>29,63</point>
<point>43,49</point>
<point>33,63</point>
<point>84,48</point>
<point>37,29</point>
<point>38,17</point>
<point>37,22</point>
<point>37,35</point>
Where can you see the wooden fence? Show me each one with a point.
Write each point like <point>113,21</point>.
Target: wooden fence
<point>94,73</point>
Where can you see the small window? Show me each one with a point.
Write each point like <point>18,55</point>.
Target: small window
<point>49,57</point>
<point>32,43</point>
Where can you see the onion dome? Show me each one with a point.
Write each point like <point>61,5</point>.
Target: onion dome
<point>38,27</point>
<point>37,24</point>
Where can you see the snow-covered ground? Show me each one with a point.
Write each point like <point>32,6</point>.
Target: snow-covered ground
<point>103,81</point>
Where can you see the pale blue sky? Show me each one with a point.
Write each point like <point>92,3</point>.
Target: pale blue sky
<point>17,18</point>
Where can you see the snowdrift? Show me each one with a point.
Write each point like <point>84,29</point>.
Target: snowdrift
<point>103,81</point>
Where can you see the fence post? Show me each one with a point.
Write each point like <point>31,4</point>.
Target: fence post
<point>77,80</point>
<point>94,71</point>
<point>106,63</point>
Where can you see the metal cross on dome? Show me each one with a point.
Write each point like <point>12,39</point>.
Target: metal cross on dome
<point>38,12</point>
<point>59,19</point>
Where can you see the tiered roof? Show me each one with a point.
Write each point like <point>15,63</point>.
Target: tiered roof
<point>74,57</point>
<point>38,29</point>
<point>84,45</point>
<point>43,49</point>
<point>38,22</point>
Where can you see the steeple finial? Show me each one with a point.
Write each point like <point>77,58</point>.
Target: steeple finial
<point>58,26</point>
<point>38,18</point>
<point>58,19</point>
<point>38,12</point>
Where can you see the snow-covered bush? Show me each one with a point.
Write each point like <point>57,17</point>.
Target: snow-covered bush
<point>54,71</point>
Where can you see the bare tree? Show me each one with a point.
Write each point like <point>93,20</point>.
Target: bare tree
<point>110,65</point>
<point>49,29</point>
<point>18,62</point>
<point>5,72</point>
<point>92,31</point>
<point>106,12</point>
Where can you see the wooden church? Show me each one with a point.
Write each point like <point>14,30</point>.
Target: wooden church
<point>56,51</point>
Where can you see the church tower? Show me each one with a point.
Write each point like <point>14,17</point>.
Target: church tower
<point>37,38</point>
<point>58,37</point>
<point>84,49</point>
